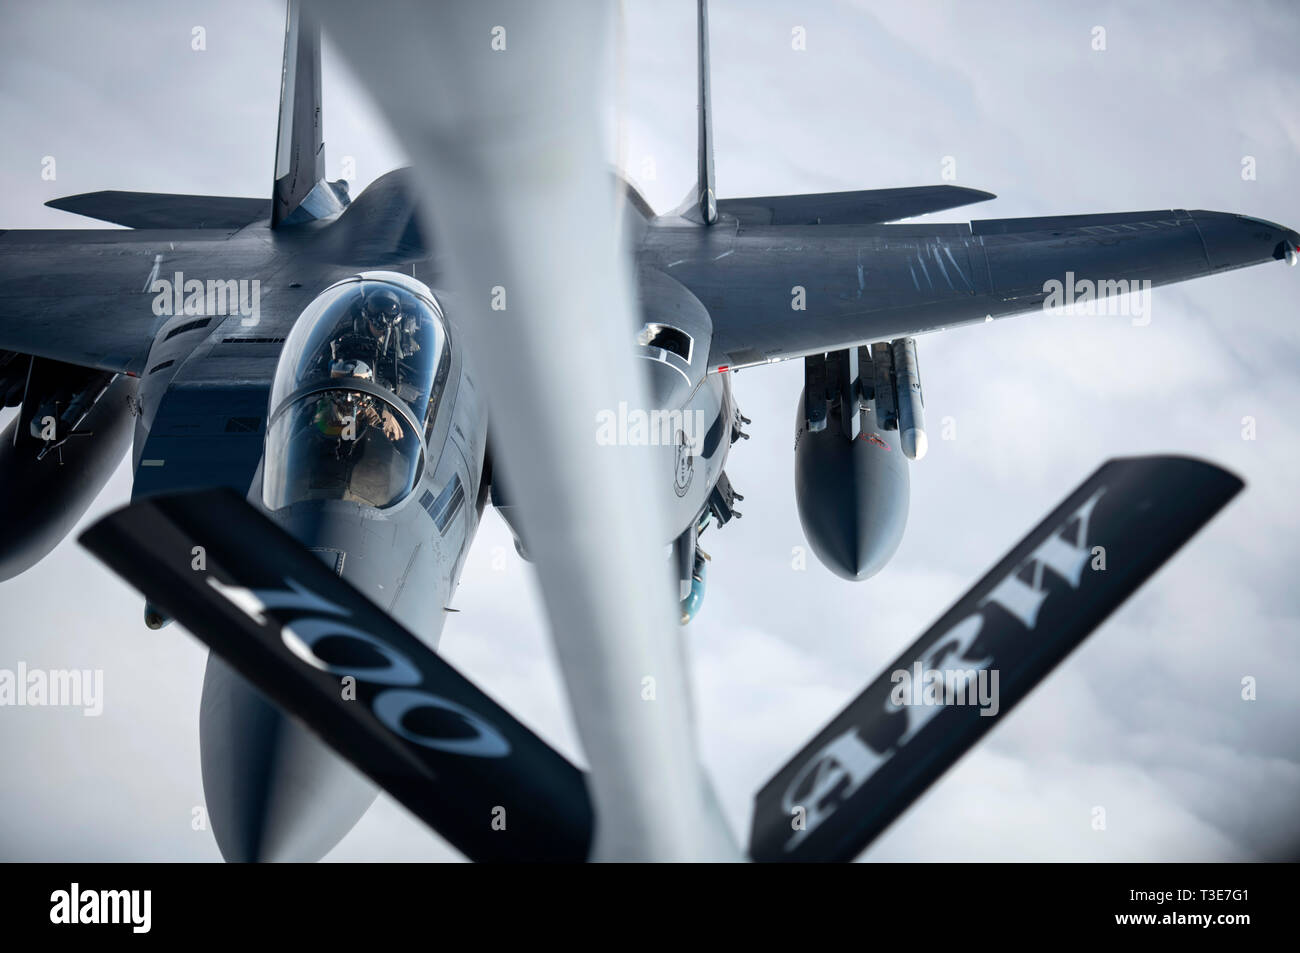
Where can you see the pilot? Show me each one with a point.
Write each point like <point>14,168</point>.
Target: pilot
<point>389,324</point>
<point>372,411</point>
<point>381,310</point>
<point>380,334</point>
<point>336,409</point>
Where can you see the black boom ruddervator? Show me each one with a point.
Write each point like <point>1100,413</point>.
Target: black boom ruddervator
<point>491,787</point>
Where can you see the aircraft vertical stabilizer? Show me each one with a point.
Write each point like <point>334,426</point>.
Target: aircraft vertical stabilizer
<point>706,202</point>
<point>701,203</point>
<point>300,193</point>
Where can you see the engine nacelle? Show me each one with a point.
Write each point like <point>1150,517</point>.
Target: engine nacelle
<point>56,455</point>
<point>852,492</point>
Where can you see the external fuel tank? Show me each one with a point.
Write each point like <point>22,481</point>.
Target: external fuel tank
<point>852,494</point>
<point>72,431</point>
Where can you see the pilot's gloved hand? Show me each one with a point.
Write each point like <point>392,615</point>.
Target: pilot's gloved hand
<point>367,414</point>
<point>392,429</point>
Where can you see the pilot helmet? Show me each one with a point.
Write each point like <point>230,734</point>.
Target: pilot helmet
<point>381,308</point>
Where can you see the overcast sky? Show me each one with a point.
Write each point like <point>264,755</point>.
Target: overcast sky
<point>1145,720</point>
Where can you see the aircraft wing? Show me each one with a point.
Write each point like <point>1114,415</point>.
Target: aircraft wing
<point>82,296</point>
<point>792,275</point>
<point>85,296</point>
<point>778,291</point>
<point>849,208</point>
<point>78,296</point>
<point>164,210</point>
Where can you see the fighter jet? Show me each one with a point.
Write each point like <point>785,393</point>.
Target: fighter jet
<point>321,357</point>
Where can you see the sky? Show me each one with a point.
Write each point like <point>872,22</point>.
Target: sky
<point>1146,720</point>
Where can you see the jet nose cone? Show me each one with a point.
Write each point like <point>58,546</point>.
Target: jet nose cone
<point>274,791</point>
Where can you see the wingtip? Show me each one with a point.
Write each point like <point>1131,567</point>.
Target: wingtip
<point>968,195</point>
<point>63,202</point>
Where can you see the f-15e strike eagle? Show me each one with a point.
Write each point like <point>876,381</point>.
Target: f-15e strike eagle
<point>305,390</point>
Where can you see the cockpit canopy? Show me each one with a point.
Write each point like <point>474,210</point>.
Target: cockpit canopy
<point>358,384</point>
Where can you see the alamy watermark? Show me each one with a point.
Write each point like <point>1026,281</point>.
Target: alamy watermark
<point>179,295</point>
<point>1107,297</point>
<point>946,686</point>
<point>53,688</point>
<point>77,905</point>
<point>652,428</point>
